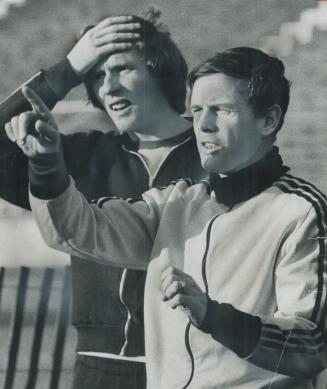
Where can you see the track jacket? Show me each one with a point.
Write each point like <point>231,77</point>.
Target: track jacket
<point>253,241</point>
<point>108,302</point>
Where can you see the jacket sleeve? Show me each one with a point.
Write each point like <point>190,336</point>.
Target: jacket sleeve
<point>114,231</point>
<point>51,85</point>
<point>13,173</point>
<point>292,341</point>
<point>79,150</point>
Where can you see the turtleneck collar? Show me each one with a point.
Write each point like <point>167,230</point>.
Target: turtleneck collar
<point>250,181</point>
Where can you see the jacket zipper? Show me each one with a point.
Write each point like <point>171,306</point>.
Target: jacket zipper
<point>164,161</point>
<point>152,178</point>
<point>129,316</point>
<point>189,351</point>
<point>124,273</point>
<point>205,281</point>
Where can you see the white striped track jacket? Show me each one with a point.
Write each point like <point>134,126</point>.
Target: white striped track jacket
<point>258,247</point>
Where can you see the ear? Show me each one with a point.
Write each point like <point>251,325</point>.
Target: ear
<point>271,120</point>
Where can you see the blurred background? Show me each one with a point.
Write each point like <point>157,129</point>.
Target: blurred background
<point>36,340</point>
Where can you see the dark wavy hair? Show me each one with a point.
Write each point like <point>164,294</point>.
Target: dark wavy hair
<point>163,59</point>
<point>267,84</point>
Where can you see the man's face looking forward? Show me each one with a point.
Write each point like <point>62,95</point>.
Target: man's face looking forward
<point>128,92</point>
<point>229,135</point>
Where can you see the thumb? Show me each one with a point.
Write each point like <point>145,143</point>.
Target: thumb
<point>48,132</point>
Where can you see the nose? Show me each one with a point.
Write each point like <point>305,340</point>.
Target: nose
<point>110,85</point>
<point>207,122</point>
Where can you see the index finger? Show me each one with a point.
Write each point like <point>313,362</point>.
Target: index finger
<point>167,271</point>
<point>36,102</point>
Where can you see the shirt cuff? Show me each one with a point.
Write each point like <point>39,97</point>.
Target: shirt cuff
<point>61,78</point>
<point>48,175</point>
<point>234,329</point>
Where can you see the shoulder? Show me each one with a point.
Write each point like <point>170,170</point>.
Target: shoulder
<point>87,140</point>
<point>88,135</point>
<point>184,189</point>
<point>300,193</point>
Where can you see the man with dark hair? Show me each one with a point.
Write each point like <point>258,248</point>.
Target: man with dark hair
<point>134,72</point>
<point>242,256</point>
<point>267,84</point>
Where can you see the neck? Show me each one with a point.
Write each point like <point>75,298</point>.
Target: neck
<point>250,181</point>
<point>166,124</point>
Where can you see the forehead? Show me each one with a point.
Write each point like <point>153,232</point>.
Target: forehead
<point>218,88</point>
<point>129,57</point>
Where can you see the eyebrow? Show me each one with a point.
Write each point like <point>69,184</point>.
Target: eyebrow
<point>195,106</point>
<point>121,64</point>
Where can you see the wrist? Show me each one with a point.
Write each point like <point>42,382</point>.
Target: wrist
<point>62,78</point>
<point>206,323</point>
<point>75,67</point>
<point>198,318</point>
<point>238,331</point>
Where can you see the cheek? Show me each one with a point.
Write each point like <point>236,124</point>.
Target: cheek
<point>228,133</point>
<point>195,126</point>
<point>152,90</point>
<point>132,81</point>
<point>98,91</point>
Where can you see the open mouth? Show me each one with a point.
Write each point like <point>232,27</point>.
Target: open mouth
<point>120,105</point>
<point>211,146</point>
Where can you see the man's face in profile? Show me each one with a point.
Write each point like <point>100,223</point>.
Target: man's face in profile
<point>228,133</point>
<point>127,90</point>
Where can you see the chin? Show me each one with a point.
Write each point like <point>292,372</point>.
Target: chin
<point>210,165</point>
<point>125,126</point>
<point>128,122</point>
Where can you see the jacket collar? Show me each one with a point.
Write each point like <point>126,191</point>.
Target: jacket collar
<point>250,181</point>
<point>169,142</point>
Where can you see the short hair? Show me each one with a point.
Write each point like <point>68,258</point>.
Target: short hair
<point>163,59</point>
<point>267,84</point>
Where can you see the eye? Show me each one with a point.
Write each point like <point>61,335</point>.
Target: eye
<point>123,69</point>
<point>196,110</point>
<point>225,112</point>
<point>98,75</point>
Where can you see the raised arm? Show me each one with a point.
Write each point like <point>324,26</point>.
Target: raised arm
<point>110,35</point>
<point>118,231</point>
